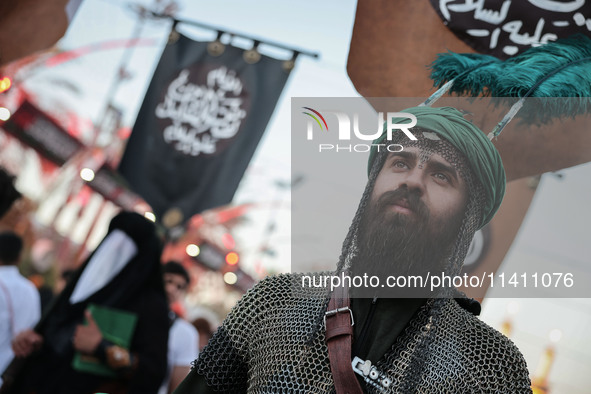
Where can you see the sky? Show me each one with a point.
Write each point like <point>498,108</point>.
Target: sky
<point>555,229</point>
<point>326,31</point>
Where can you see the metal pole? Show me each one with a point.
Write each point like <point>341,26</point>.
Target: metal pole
<point>242,35</point>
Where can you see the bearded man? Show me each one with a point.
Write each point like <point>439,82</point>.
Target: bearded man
<point>417,216</point>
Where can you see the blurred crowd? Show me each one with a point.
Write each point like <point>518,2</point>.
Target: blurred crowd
<point>116,324</point>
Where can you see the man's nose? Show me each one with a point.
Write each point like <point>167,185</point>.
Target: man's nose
<point>415,181</point>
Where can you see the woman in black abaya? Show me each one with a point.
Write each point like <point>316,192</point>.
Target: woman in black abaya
<point>124,272</point>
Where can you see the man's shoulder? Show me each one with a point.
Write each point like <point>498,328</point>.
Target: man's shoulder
<point>286,290</point>
<point>183,342</point>
<point>183,329</point>
<point>296,277</point>
<point>486,345</point>
<point>293,285</point>
<point>18,283</point>
<point>476,330</point>
<point>274,306</point>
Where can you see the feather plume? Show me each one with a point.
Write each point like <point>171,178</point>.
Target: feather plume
<point>524,71</point>
<point>471,73</point>
<point>559,73</point>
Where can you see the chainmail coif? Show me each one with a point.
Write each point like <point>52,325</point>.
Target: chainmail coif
<point>273,339</point>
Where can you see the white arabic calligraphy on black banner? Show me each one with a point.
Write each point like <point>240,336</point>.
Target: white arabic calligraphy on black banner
<point>202,115</point>
<point>508,27</point>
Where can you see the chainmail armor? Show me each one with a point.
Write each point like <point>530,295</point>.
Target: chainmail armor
<point>262,348</point>
<point>273,339</point>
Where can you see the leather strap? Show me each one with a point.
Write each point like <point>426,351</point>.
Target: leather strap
<point>339,322</point>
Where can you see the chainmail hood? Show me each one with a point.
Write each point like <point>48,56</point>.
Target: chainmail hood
<point>428,142</point>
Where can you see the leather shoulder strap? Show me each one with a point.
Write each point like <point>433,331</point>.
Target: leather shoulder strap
<point>339,322</point>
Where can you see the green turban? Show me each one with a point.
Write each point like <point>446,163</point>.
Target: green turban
<point>483,157</point>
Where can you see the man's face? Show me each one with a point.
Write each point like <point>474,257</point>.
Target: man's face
<point>414,215</point>
<point>175,286</point>
<point>432,185</point>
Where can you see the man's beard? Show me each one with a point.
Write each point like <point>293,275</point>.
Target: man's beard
<point>393,244</point>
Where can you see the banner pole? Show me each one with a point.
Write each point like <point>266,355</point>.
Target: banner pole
<point>304,52</point>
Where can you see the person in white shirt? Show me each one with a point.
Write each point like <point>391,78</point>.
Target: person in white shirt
<point>20,304</point>
<point>183,338</point>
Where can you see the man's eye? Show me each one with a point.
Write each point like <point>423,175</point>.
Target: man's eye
<point>442,177</point>
<point>399,164</point>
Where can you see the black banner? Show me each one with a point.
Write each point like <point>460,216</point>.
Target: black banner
<point>504,28</point>
<point>107,182</point>
<point>198,127</point>
<point>37,130</point>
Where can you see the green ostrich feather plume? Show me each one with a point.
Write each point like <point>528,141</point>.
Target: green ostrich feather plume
<point>558,73</point>
<point>524,71</point>
<point>471,73</point>
<point>559,70</point>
